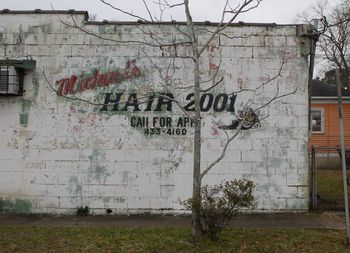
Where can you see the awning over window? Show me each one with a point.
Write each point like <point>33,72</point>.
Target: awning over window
<point>23,64</point>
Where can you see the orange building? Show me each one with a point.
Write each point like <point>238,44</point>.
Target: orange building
<point>324,122</point>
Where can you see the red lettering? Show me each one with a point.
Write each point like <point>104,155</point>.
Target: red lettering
<point>102,80</point>
<point>76,84</point>
<point>109,78</point>
<point>61,84</point>
<point>136,71</point>
<point>86,84</point>
<point>82,85</point>
<point>128,64</point>
<point>126,74</point>
<point>114,76</point>
<point>105,79</point>
<point>99,80</point>
<point>105,83</point>
<point>119,77</point>
<point>94,80</point>
<point>131,70</point>
<point>70,85</point>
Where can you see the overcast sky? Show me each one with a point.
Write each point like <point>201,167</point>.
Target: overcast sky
<point>269,11</point>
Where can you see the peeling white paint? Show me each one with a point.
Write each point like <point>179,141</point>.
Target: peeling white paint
<point>69,154</point>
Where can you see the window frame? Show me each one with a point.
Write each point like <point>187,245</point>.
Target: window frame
<point>12,78</point>
<point>16,75</point>
<point>321,110</point>
<point>4,77</point>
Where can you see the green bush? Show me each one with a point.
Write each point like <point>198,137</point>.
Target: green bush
<point>83,211</point>
<point>221,202</point>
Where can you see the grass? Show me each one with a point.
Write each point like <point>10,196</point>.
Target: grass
<point>330,189</point>
<point>166,240</point>
<point>169,240</point>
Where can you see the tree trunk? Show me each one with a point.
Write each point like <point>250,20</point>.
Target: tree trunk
<point>196,194</point>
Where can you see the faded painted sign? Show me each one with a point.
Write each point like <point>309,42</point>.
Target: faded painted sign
<point>158,102</point>
<point>84,81</point>
<point>134,102</point>
<point>58,153</point>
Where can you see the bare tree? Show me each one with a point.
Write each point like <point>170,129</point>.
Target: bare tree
<point>188,48</point>
<point>333,24</point>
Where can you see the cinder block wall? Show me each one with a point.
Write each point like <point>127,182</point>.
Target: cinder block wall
<point>58,153</point>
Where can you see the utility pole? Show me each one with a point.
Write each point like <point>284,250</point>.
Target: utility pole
<point>343,162</point>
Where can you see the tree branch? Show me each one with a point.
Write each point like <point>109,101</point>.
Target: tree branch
<point>125,12</point>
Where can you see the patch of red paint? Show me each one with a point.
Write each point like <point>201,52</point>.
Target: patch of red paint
<point>81,83</point>
<point>213,66</point>
<point>76,129</point>
<point>212,48</point>
<point>215,131</point>
<point>73,109</point>
<point>92,118</point>
<point>264,79</point>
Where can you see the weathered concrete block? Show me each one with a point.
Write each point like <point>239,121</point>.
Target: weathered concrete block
<point>76,145</point>
<point>273,203</point>
<point>297,203</point>
<point>300,179</point>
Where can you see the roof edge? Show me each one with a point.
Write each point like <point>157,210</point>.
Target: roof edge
<point>104,22</point>
<point>329,97</point>
<point>40,11</point>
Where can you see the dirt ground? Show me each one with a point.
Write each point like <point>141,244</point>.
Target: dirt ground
<point>329,220</point>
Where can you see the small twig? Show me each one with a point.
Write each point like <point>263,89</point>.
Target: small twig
<point>125,12</point>
<point>212,87</point>
<point>228,141</point>
<point>149,12</point>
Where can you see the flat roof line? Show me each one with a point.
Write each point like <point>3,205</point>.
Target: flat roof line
<point>107,22</point>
